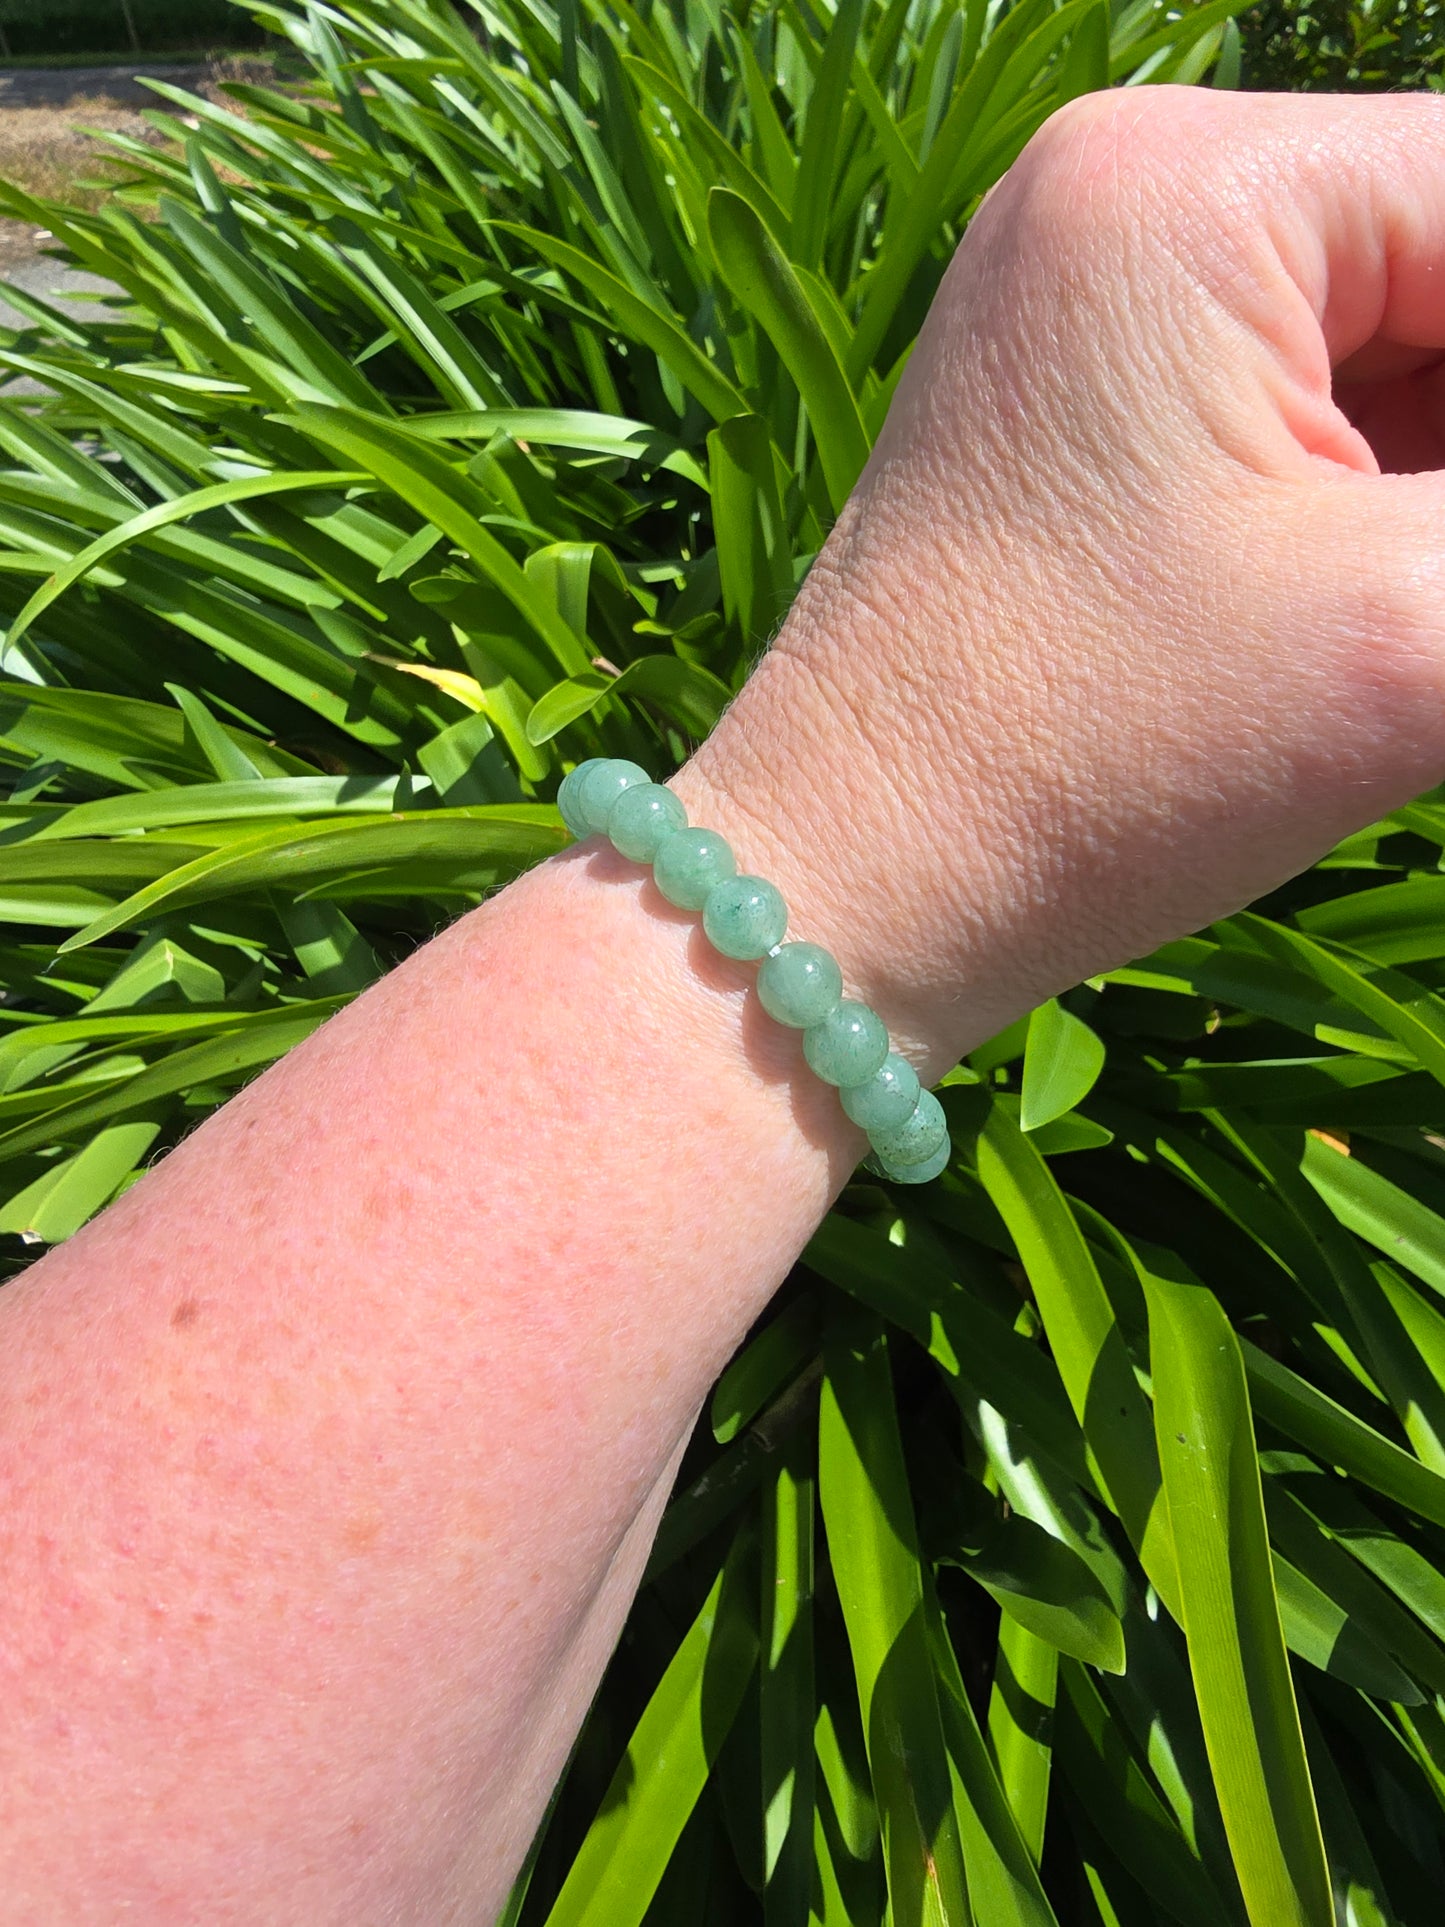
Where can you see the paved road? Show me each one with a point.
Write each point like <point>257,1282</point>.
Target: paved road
<point>59,87</point>
<point>53,281</point>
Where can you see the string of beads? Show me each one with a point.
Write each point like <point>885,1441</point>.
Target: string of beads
<point>799,984</point>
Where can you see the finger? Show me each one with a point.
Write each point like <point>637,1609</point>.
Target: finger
<point>1287,235</point>
<point>1347,191</point>
<point>1328,217</point>
<point>1351,191</point>
<point>1346,272</point>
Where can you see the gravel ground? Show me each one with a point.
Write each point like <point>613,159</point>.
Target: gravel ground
<point>53,281</point>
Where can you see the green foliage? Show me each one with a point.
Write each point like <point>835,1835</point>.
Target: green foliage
<point>66,27</point>
<point>1344,46</point>
<point>1068,1543</point>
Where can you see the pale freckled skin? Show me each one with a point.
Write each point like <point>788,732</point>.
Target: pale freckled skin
<point>361,1531</point>
<point>334,1450</point>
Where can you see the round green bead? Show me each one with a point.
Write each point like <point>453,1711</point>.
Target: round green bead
<point>641,817</point>
<point>569,796</point>
<point>848,1047</point>
<point>917,1138</point>
<point>922,1172</point>
<point>744,917</point>
<point>886,1101</point>
<point>800,984</point>
<point>601,787</point>
<point>690,864</point>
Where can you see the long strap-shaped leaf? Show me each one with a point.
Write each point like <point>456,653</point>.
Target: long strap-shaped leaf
<point>913,224</point>
<point>757,272</point>
<point>876,1562</point>
<point>754,555</point>
<point>252,1040</point>
<point>787,1710</point>
<point>248,488</point>
<point>290,855</point>
<point>721,155</point>
<point>1087,1344</point>
<point>1230,1611</point>
<point>1020,1725</point>
<point>646,323</point>
<point>1399,1004</point>
<point>1003,1883</point>
<point>828,111</point>
<point>1315,1421</point>
<point>691,695</point>
<point>286,331</point>
<point>565,428</point>
<point>417,474</point>
<point>667,1762</point>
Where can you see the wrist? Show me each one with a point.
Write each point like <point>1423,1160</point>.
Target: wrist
<point>796,793</point>
<point>825,787</point>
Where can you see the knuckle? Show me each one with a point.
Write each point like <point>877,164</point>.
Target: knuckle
<point>1088,116</point>
<point>1108,161</point>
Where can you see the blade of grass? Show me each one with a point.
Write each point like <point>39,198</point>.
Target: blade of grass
<point>668,1759</point>
<point>757,272</point>
<point>1230,1612</point>
<point>873,1543</point>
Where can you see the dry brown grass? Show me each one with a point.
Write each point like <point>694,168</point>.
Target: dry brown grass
<point>43,151</point>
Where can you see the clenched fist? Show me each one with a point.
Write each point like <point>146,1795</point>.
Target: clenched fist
<point>1139,605</point>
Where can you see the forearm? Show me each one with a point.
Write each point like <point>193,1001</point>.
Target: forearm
<point>306,1594</point>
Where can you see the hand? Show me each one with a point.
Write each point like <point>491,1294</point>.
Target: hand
<point>1138,607</point>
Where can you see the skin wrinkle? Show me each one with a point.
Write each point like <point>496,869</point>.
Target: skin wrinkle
<point>879,730</point>
<point>1398,232</point>
<point>901,726</point>
<point>1387,235</point>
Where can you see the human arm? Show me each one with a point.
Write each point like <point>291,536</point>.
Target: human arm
<point>307,1596</point>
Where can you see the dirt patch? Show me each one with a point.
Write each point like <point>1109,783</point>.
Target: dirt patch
<point>43,110</point>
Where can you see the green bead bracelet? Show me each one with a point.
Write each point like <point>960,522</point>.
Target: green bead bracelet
<point>799,984</point>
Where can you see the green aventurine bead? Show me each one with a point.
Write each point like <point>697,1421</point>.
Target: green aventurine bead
<point>641,817</point>
<point>744,917</point>
<point>848,1047</point>
<point>602,786</point>
<point>800,984</point>
<point>569,796</point>
<point>886,1101</point>
<point>690,864</point>
<point>919,1173</point>
<point>917,1138</point>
